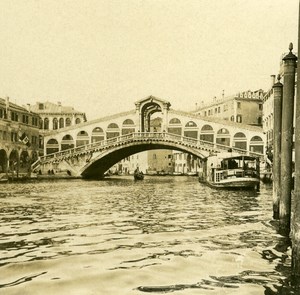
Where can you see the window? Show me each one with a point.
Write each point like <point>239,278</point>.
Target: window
<point>239,118</point>
<point>238,104</point>
<point>219,109</point>
<point>41,106</point>
<point>260,106</point>
<point>205,114</point>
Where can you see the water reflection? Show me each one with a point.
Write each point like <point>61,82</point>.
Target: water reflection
<point>169,234</point>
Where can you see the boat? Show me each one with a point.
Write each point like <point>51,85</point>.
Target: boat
<point>138,175</point>
<point>231,171</point>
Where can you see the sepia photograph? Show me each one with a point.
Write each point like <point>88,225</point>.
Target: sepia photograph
<point>149,147</point>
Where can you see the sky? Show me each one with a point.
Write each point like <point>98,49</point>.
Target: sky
<point>101,56</point>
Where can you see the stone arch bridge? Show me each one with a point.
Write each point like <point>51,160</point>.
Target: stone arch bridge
<point>89,149</point>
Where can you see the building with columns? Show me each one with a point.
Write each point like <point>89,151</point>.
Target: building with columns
<point>56,116</point>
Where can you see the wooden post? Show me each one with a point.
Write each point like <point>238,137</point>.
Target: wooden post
<point>295,233</point>
<point>277,92</point>
<point>287,141</point>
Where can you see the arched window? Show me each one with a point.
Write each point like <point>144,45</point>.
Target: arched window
<point>77,121</point>
<point>46,123</point>
<point>55,123</point>
<point>61,123</point>
<point>68,122</point>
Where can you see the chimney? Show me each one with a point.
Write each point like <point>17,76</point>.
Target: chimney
<point>28,107</point>
<point>272,80</point>
<point>59,106</point>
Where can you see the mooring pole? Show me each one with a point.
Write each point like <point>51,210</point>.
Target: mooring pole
<point>295,234</point>
<point>277,115</point>
<point>287,142</point>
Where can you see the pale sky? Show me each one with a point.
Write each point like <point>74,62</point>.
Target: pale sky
<point>101,56</point>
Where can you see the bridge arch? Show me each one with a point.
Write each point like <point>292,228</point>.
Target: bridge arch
<point>96,167</point>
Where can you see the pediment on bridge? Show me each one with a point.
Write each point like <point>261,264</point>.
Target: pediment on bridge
<point>154,100</point>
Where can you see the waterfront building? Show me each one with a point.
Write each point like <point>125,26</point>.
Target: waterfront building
<point>244,107</point>
<point>56,116</point>
<point>185,163</point>
<point>19,137</point>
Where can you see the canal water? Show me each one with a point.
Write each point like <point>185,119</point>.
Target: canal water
<point>162,235</point>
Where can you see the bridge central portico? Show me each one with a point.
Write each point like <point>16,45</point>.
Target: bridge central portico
<point>89,149</point>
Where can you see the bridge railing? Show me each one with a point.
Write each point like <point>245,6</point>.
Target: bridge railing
<point>144,136</point>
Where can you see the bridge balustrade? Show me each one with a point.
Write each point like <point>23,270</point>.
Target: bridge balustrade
<point>145,136</point>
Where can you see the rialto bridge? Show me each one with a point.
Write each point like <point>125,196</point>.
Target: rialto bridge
<point>89,149</point>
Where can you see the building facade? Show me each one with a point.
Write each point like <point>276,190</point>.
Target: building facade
<point>19,138</point>
<point>56,116</point>
<point>245,107</point>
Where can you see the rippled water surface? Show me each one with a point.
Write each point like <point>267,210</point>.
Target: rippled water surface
<point>117,236</point>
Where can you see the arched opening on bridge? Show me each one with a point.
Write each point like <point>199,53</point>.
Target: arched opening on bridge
<point>82,138</point>
<point>256,145</point>
<point>67,142</point>
<point>128,127</point>
<point>223,137</point>
<point>240,141</point>
<point>207,133</point>
<point>52,146</point>
<point>97,134</point>
<point>148,110</point>
<point>112,131</point>
<point>3,161</point>
<point>13,162</point>
<point>24,162</point>
<point>175,126</point>
<point>191,130</point>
